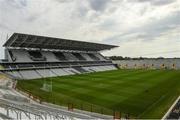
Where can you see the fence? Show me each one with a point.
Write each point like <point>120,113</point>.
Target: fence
<point>84,106</point>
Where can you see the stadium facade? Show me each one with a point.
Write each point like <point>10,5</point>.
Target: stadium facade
<point>165,63</point>
<point>31,57</point>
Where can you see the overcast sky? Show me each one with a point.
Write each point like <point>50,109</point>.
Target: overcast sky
<point>148,28</point>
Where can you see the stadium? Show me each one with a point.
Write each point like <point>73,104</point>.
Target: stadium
<point>68,79</point>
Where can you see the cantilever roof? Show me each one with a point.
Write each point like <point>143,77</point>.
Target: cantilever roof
<point>34,41</point>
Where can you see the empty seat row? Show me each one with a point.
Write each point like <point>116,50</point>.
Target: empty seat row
<point>36,56</point>
<point>43,73</point>
<point>31,56</point>
<point>52,64</point>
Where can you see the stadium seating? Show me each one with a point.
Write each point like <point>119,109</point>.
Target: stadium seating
<point>29,74</point>
<point>46,73</point>
<point>39,58</point>
<point>60,56</point>
<point>175,113</point>
<point>31,56</point>
<point>50,56</point>
<point>23,66</point>
<point>79,56</point>
<point>36,56</point>
<point>169,63</point>
<point>15,74</point>
<point>54,72</point>
<point>59,72</point>
<point>98,55</point>
<point>12,56</point>
<point>71,71</point>
<point>70,56</point>
<point>20,56</point>
<point>81,70</point>
<point>93,56</point>
<point>88,58</point>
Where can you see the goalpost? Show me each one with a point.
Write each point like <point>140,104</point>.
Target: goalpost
<point>46,86</point>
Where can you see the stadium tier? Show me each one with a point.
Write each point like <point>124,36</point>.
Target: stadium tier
<point>32,56</point>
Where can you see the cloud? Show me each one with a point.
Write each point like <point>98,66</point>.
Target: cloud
<point>153,29</point>
<point>17,4</point>
<point>99,5</point>
<point>156,2</point>
<point>126,23</point>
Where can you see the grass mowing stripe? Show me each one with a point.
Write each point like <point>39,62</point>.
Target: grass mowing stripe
<point>129,91</point>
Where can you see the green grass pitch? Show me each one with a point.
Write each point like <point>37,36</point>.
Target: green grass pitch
<point>140,93</point>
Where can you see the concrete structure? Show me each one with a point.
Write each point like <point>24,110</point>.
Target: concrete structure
<point>167,63</point>
<point>18,105</point>
<point>31,57</point>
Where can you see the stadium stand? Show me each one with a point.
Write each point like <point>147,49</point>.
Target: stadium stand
<point>30,74</point>
<point>79,56</point>
<point>31,57</point>
<point>49,56</point>
<point>59,72</point>
<point>36,56</point>
<point>175,112</point>
<point>88,58</point>
<point>60,56</point>
<point>153,63</point>
<point>94,57</point>
<point>15,104</point>
<point>19,56</point>
<point>81,70</point>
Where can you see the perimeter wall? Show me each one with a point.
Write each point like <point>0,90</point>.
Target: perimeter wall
<point>169,63</point>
